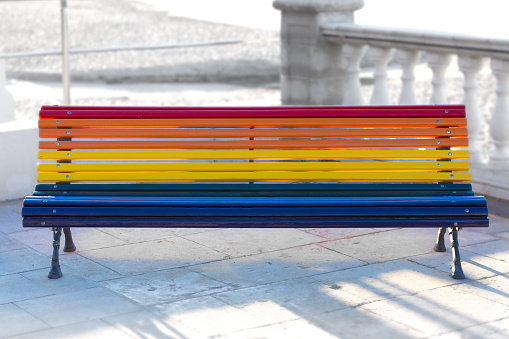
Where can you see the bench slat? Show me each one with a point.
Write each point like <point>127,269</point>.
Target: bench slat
<point>250,112</point>
<point>230,202</point>
<point>258,108</point>
<point>257,222</point>
<point>393,211</point>
<point>256,144</point>
<point>243,190</point>
<point>257,122</point>
<point>253,155</point>
<point>446,187</point>
<point>250,133</point>
<point>256,166</point>
<point>253,176</point>
<point>260,193</point>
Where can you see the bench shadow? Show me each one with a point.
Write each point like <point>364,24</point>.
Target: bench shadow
<point>335,320</point>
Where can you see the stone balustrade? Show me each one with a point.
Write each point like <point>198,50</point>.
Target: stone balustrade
<point>319,38</point>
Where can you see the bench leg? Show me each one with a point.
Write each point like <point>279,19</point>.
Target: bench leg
<point>457,271</point>
<point>69,244</point>
<point>440,245</point>
<point>55,271</point>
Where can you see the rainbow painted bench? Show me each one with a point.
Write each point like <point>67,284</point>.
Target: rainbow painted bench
<point>317,166</point>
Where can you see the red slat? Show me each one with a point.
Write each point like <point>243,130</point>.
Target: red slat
<point>253,112</point>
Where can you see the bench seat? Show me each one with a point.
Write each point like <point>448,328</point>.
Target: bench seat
<point>316,166</point>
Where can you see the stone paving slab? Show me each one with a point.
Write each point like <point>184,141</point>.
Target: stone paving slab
<point>17,321</point>
<point>440,310</point>
<point>139,258</point>
<point>165,286</point>
<point>287,300</point>
<point>85,330</point>
<point>383,246</point>
<point>15,287</point>
<point>88,238</point>
<point>476,266</point>
<point>76,307</point>
<point>134,235</point>
<point>276,266</point>
<point>384,280</point>
<point>22,260</point>
<point>145,324</point>
<point>253,241</point>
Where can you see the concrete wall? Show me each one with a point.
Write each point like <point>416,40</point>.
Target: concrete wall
<point>18,159</point>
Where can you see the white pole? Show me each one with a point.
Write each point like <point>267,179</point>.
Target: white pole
<point>65,53</point>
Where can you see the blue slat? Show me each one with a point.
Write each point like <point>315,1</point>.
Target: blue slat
<point>255,211</point>
<point>107,201</point>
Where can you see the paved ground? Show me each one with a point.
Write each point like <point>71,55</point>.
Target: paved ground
<point>242,283</point>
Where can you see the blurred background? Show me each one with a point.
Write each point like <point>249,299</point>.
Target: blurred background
<point>137,52</point>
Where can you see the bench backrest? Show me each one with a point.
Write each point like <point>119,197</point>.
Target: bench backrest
<point>368,144</point>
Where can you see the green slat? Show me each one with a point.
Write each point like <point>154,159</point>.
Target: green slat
<point>254,187</point>
<point>255,193</point>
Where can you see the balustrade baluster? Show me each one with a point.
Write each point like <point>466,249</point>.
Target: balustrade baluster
<point>408,59</point>
<point>353,91</point>
<point>470,67</point>
<point>499,125</point>
<point>380,57</point>
<point>438,62</point>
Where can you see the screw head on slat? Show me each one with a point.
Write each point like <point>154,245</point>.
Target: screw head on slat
<point>54,211</point>
<point>58,121</point>
<point>67,176</point>
<point>438,165</point>
<point>452,175</point>
<point>43,223</point>
<point>58,165</point>
<point>58,144</point>
<point>68,132</point>
<point>467,210</point>
<point>69,112</point>
<point>455,224</point>
<point>448,131</point>
<point>446,111</point>
<point>438,121</point>
<point>438,141</point>
<point>68,154</point>
<point>449,153</point>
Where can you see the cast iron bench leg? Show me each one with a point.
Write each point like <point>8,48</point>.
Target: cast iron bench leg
<point>55,271</point>
<point>457,271</point>
<point>440,245</point>
<point>69,244</point>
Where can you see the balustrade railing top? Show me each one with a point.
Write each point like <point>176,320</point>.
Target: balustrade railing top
<point>408,38</point>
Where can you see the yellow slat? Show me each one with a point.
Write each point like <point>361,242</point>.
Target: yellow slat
<point>252,155</point>
<point>254,176</point>
<point>258,166</point>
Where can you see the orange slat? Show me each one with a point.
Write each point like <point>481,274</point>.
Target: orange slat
<point>258,144</point>
<point>297,122</point>
<point>251,133</point>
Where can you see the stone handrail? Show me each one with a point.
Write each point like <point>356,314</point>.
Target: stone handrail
<point>321,58</point>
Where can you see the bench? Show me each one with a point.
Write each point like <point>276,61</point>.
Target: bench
<point>315,166</point>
